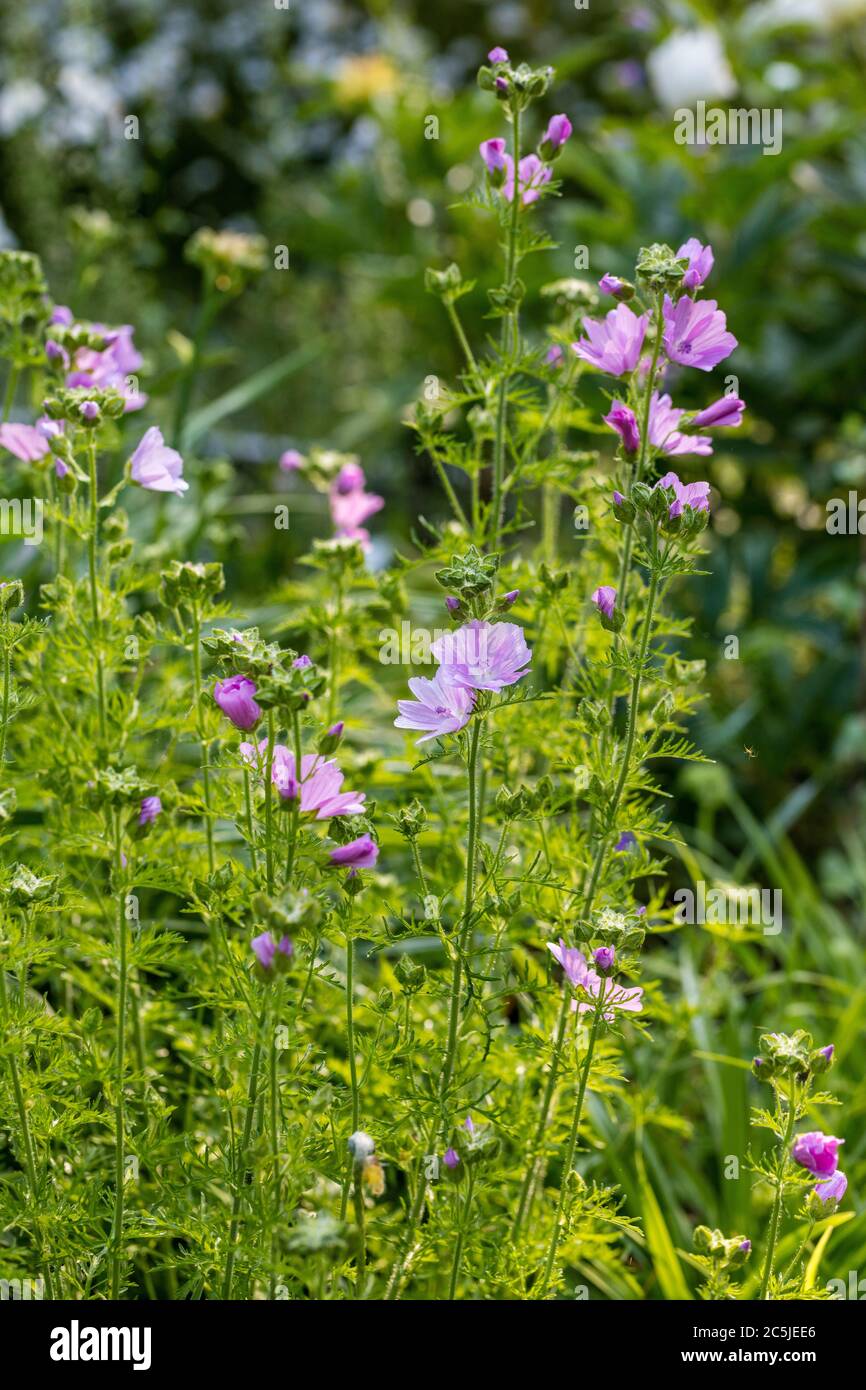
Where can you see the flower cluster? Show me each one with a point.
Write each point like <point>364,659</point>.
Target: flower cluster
<point>477,656</point>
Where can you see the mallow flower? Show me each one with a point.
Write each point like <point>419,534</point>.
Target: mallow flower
<point>320,783</point>
<point>157,467</point>
<point>559,130</point>
<point>832,1189</point>
<point>622,419</point>
<point>818,1152</point>
<point>483,656</point>
<point>573,961</point>
<point>701,261</point>
<point>613,997</point>
<point>496,160</point>
<point>613,344</point>
<point>532,175</point>
<point>440,707</point>
<point>497,55</point>
<point>27,442</point>
<point>725,413</point>
<point>664,432</point>
<point>151,807</point>
<point>266,950</point>
<point>604,598</point>
<point>694,495</point>
<point>695,333</point>
<point>235,697</point>
<point>112,367</point>
<point>358,854</point>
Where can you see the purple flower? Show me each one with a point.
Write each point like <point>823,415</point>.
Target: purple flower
<point>559,129</point>
<point>604,598</point>
<point>725,413</point>
<point>618,499</point>
<point>497,55</point>
<point>451,1158</point>
<point>291,461</point>
<point>151,807</point>
<point>336,730</point>
<point>746,1246</point>
<point>613,343</point>
<point>624,421</point>
<point>440,707</point>
<point>694,495</point>
<point>610,284</point>
<point>700,262</point>
<point>235,698</point>
<point>604,958</point>
<point>511,597</point>
<point>532,175</point>
<point>469,1126</point>
<point>350,478</point>
<point>828,1051</point>
<point>832,1189</point>
<point>27,442</point>
<point>482,655</point>
<point>350,509</point>
<point>90,410</point>
<point>664,417</point>
<point>358,854</point>
<point>56,353</point>
<point>818,1152</point>
<point>61,314</point>
<point>452,604</point>
<point>111,367</point>
<point>495,159</point>
<point>695,333</point>
<point>265,949</point>
<point>572,960</point>
<point>554,356</point>
<point>626,841</point>
<point>320,782</point>
<point>157,467</point>
<point>300,663</point>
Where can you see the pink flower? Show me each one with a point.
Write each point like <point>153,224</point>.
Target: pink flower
<point>497,55</point>
<point>554,354</point>
<point>496,161</point>
<point>559,129</point>
<point>265,949</point>
<point>664,419</point>
<point>610,284</point>
<point>832,1189</point>
<point>604,599</point>
<point>532,175</point>
<point>151,807</point>
<point>613,343</point>
<point>701,261</point>
<point>320,783</point>
<point>695,333</point>
<point>351,508</point>
<point>27,442</point>
<point>111,367</point>
<point>818,1152</point>
<point>623,420</point>
<point>291,461</point>
<point>572,960</point>
<point>157,467</point>
<point>482,655</point>
<point>451,1158</point>
<point>358,854</point>
<point>440,707</point>
<point>694,495</point>
<point>725,413</point>
<point>235,698</point>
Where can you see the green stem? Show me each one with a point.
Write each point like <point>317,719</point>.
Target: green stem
<point>240,1165</point>
<point>461,336</point>
<point>92,547</point>
<point>26,1142</point>
<point>461,1234</point>
<point>207,312</point>
<point>269,803</point>
<point>11,386</point>
<point>781,1165</point>
<point>251,828</point>
<point>275,1135</point>
<point>509,331</point>
<point>465,925</point>
<point>7,689</point>
<point>117,1255</point>
<point>350,1046</point>
<point>199,723</point>
<point>568,1162</point>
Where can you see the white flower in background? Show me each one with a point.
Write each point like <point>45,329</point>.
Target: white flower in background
<point>19,102</point>
<point>689,65</point>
